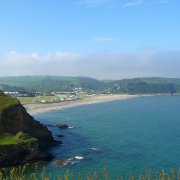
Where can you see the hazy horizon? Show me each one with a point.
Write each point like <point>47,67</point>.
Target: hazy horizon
<point>102,39</point>
<point>89,77</point>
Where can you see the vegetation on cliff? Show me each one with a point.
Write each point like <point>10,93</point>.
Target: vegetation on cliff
<point>20,134</point>
<point>6,101</point>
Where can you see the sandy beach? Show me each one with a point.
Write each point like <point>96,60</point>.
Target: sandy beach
<point>40,108</point>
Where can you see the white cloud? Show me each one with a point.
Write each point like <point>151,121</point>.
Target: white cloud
<point>34,55</point>
<point>102,65</point>
<point>64,56</point>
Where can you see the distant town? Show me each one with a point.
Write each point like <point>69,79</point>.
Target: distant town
<point>52,89</point>
<point>50,97</point>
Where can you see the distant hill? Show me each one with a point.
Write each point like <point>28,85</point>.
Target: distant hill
<point>146,85</point>
<point>49,83</point>
<point>57,83</point>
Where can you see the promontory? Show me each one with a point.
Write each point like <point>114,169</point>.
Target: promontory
<point>22,138</point>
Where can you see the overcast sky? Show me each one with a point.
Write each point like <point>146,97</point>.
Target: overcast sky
<point>104,39</point>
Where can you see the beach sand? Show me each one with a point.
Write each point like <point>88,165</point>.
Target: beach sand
<point>40,108</point>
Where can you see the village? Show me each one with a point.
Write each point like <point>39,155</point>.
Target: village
<point>49,97</point>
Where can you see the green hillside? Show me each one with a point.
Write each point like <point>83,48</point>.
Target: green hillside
<point>68,84</point>
<point>146,85</point>
<point>6,138</point>
<point>6,101</point>
<point>48,83</point>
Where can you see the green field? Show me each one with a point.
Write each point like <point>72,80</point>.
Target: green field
<point>26,100</point>
<point>39,99</point>
<point>47,99</point>
<point>7,139</point>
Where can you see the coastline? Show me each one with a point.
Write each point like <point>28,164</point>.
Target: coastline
<point>33,109</point>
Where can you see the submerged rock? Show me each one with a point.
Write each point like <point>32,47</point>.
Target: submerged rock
<point>70,161</point>
<point>60,135</point>
<point>62,126</point>
<point>61,163</point>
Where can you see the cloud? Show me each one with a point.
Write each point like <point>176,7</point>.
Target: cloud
<point>101,65</point>
<point>103,39</point>
<point>133,3</point>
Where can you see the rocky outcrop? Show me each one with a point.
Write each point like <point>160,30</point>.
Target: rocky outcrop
<point>16,119</point>
<point>30,135</point>
<point>17,154</point>
<point>62,126</point>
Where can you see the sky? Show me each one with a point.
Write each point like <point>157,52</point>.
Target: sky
<point>103,39</point>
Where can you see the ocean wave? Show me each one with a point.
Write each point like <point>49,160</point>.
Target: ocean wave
<point>94,149</point>
<point>70,161</point>
<point>71,127</point>
<point>79,157</point>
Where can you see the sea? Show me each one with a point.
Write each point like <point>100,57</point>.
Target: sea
<point>126,137</point>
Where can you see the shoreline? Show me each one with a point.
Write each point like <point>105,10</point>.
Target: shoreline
<point>33,109</point>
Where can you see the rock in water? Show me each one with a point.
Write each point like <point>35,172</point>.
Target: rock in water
<point>60,135</point>
<point>62,126</point>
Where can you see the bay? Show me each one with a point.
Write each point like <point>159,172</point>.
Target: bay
<point>126,136</point>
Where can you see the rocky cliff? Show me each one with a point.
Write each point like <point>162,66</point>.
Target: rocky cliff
<point>15,119</point>
<point>21,137</point>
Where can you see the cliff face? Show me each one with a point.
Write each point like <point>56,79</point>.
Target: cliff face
<point>21,137</point>
<point>15,119</point>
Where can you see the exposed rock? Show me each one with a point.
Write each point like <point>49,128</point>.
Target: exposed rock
<point>61,163</point>
<point>69,161</point>
<point>62,126</point>
<point>50,125</point>
<point>60,135</point>
<point>15,121</point>
<point>40,156</point>
<point>17,154</point>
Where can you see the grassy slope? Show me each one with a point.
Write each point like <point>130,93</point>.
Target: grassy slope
<point>6,101</point>
<point>19,138</point>
<point>7,139</point>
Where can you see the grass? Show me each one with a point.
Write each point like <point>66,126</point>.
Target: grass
<point>7,139</point>
<point>45,98</point>
<point>25,139</point>
<point>23,173</point>
<point>19,138</point>
<point>26,100</point>
<point>6,101</point>
<point>32,100</point>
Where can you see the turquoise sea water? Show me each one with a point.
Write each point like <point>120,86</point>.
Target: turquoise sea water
<point>130,135</point>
